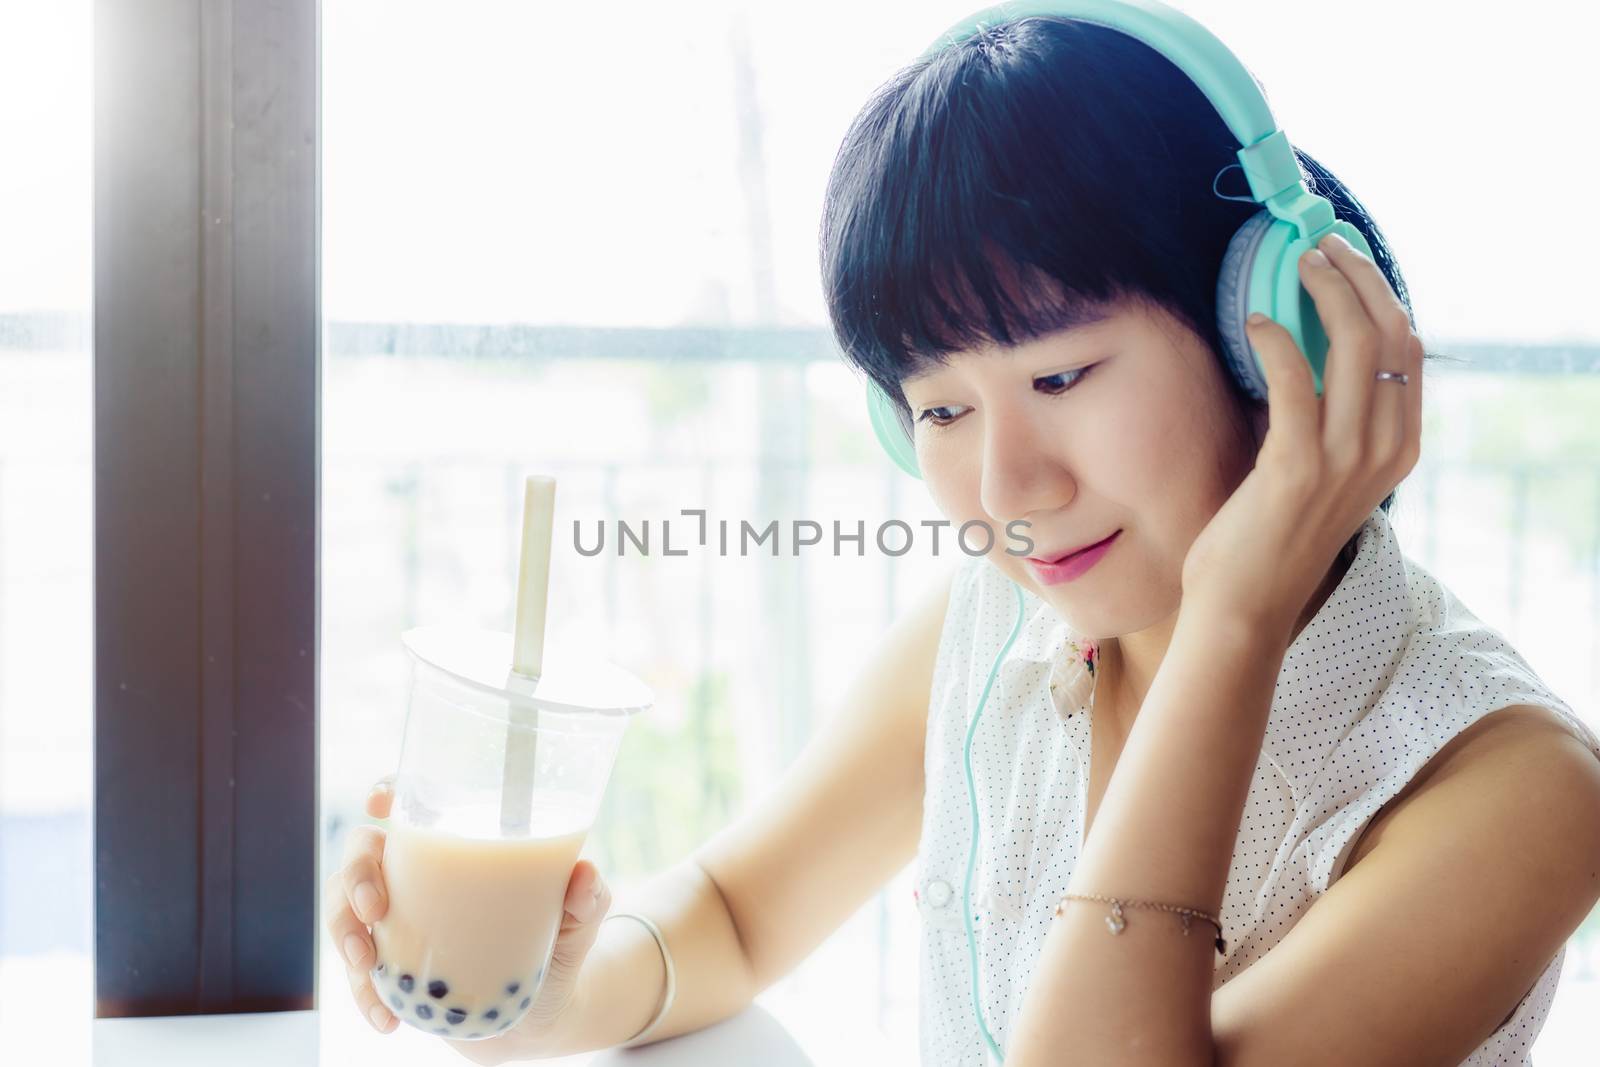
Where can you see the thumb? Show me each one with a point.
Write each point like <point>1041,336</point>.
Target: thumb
<point>587,901</point>
<point>1293,414</point>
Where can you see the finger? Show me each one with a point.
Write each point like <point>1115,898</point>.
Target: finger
<point>355,948</point>
<point>363,873</point>
<point>1383,307</point>
<point>1408,408</point>
<point>371,1006</point>
<point>1353,344</point>
<point>1391,410</point>
<point>1293,416</point>
<point>1416,352</point>
<point>585,889</point>
<point>1392,402</point>
<point>381,798</point>
<point>587,902</point>
<point>335,904</point>
<point>349,934</point>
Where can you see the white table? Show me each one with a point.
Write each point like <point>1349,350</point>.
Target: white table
<point>290,1039</point>
<point>818,1017</point>
<point>281,1039</point>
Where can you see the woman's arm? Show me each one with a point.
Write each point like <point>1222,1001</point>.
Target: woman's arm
<point>768,889</point>
<point>1167,824</point>
<point>623,978</point>
<point>1164,831</point>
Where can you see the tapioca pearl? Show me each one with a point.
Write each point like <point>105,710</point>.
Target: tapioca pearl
<point>398,1002</point>
<point>525,1002</point>
<point>381,969</point>
<point>424,1012</point>
<point>474,1035</point>
<point>492,1014</point>
<point>456,1015</point>
<point>441,1029</point>
<point>406,982</point>
<point>512,987</point>
<point>503,1025</point>
<point>438,990</point>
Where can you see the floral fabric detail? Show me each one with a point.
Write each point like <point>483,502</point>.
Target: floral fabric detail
<point>1073,675</point>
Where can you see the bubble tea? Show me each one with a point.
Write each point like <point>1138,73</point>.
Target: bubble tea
<point>478,857</point>
<point>504,762</point>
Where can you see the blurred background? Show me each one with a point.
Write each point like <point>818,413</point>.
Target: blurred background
<point>587,248</point>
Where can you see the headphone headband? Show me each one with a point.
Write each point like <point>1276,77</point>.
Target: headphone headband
<point>1267,157</point>
<point>1259,271</point>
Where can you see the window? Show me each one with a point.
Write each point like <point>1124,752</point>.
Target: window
<point>623,295</point>
<point>46,661</point>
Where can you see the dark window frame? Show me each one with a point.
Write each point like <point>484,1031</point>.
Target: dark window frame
<point>206,454</point>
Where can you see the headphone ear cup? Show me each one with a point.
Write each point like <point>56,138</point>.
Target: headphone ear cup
<point>1261,271</point>
<point>1233,296</point>
<point>891,433</point>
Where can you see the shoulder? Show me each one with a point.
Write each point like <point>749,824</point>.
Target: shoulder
<point>1526,757</point>
<point>1476,877</point>
<point>1519,771</point>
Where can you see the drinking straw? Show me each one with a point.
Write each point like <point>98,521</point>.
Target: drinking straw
<point>527,651</point>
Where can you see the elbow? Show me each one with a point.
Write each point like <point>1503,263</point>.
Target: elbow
<point>750,977</point>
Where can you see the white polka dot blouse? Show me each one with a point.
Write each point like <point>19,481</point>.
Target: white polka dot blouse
<point>1390,668</point>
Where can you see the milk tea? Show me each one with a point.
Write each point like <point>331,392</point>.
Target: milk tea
<point>472,920</point>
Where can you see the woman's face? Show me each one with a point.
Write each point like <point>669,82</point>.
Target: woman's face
<point>1121,424</point>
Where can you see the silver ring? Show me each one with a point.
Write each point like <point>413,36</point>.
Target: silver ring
<point>1392,376</point>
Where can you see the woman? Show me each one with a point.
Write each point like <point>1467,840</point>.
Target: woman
<point>1250,711</point>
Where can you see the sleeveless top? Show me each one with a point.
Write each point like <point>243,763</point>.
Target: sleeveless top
<point>1390,669</point>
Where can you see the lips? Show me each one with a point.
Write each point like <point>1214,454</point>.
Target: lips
<point>1072,552</point>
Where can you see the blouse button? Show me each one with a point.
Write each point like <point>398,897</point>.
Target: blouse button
<point>939,892</point>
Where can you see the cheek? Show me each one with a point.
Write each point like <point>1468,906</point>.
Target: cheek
<point>957,508</point>
<point>954,495</point>
<point>1169,458</point>
<point>1138,446</point>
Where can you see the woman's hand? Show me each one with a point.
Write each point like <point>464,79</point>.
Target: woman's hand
<point>356,896</point>
<point>1327,461</point>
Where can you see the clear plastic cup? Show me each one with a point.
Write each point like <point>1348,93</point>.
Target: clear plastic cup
<point>500,779</point>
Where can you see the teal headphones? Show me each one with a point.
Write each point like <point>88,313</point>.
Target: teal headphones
<point>1260,270</point>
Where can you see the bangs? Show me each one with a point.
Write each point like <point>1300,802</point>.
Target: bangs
<point>1015,184</point>
<point>982,301</point>
<point>977,202</point>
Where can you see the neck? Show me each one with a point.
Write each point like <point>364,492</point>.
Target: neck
<point>1129,663</point>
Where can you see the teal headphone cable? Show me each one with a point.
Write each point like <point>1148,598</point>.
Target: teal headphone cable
<point>972,856</point>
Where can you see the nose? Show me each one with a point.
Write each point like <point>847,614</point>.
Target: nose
<point>1020,473</point>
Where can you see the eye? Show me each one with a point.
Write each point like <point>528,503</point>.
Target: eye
<point>1050,385</point>
<point>937,420</point>
<point>1073,378</point>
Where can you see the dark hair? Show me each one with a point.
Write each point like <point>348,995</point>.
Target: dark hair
<point>1063,155</point>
